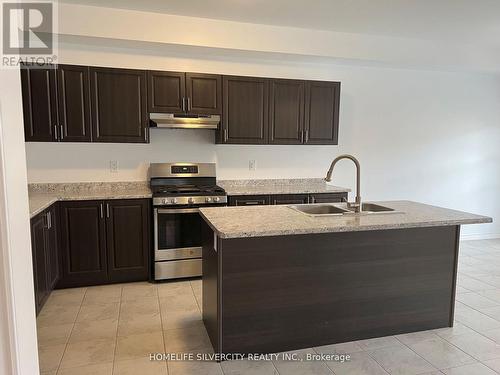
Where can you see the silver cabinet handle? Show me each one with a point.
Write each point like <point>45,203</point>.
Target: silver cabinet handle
<point>307,135</point>
<point>313,200</point>
<point>252,203</point>
<point>145,134</point>
<point>102,211</point>
<point>225,135</point>
<point>47,225</point>
<point>62,132</point>
<point>107,210</point>
<point>56,136</point>
<point>301,134</point>
<point>189,103</point>
<point>183,104</point>
<point>49,217</point>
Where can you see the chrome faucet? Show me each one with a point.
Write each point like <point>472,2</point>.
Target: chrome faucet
<point>356,206</point>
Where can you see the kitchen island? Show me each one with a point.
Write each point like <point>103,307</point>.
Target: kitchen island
<point>276,279</point>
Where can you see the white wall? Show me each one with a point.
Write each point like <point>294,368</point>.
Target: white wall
<point>429,136</point>
<point>17,308</point>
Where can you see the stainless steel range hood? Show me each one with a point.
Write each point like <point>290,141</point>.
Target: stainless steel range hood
<point>183,121</point>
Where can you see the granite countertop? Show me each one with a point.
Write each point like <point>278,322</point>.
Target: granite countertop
<point>279,186</point>
<point>259,221</point>
<point>42,196</point>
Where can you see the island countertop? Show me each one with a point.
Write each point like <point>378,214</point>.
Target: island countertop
<point>260,221</point>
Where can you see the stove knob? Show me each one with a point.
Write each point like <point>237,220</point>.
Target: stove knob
<point>208,199</point>
<point>173,200</point>
<point>163,201</point>
<point>216,199</point>
<point>190,200</point>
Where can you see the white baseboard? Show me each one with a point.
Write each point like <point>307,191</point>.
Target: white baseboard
<point>488,236</point>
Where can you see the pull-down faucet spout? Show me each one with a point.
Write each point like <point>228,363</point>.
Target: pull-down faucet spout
<point>356,206</point>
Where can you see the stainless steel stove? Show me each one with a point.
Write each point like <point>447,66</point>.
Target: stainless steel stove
<point>179,190</point>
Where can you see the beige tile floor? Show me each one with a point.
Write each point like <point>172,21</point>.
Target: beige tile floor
<point>110,330</point>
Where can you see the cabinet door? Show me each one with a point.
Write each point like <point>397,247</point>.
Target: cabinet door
<point>245,110</point>
<point>166,92</point>
<point>83,243</point>
<point>322,113</point>
<point>52,247</point>
<point>119,110</point>
<point>74,103</point>
<point>127,228</point>
<point>286,111</point>
<point>290,199</point>
<point>39,103</point>
<point>204,93</point>
<point>38,224</point>
<point>248,200</point>
<point>327,197</point>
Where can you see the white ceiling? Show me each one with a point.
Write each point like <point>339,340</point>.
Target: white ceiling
<point>460,21</point>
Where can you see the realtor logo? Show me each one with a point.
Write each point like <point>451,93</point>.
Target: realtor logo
<point>28,33</point>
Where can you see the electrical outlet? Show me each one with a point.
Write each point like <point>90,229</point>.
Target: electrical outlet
<point>113,166</point>
<point>252,165</point>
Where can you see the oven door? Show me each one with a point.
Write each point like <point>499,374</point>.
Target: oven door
<point>177,233</point>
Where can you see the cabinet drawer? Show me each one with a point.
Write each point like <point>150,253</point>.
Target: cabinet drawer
<point>327,197</point>
<point>290,199</point>
<point>248,200</point>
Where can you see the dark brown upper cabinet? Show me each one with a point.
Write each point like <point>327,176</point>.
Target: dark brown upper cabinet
<point>245,110</point>
<point>322,112</point>
<point>286,111</point>
<point>127,228</point>
<point>39,93</point>
<point>178,92</point>
<point>74,103</point>
<point>119,105</point>
<point>204,94</point>
<point>279,111</point>
<point>166,92</point>
<point>94,104</point>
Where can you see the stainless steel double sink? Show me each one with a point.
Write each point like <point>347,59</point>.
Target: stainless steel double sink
<point>331,209</point>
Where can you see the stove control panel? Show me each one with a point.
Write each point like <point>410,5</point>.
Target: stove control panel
<point>184,169</point>
<point>195,200</point>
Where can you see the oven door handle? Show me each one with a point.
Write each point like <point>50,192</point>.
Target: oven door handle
<point>177,210</point>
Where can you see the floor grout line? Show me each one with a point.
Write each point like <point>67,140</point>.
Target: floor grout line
<point>71,332</point>
<point>116,335</point>
<point>162,328</point>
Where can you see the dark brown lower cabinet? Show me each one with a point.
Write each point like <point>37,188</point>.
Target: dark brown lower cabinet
<point>290,199</point>
<point>104,242</point>
<point>327,197</point>
<point>52,246</point>
<point>44,247</point>
<point>280,293</point>
<point>248,200</point>
<point>39,261</point>
<point>83,244</point>
<point>255,200</point>
<point>127,234</point>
